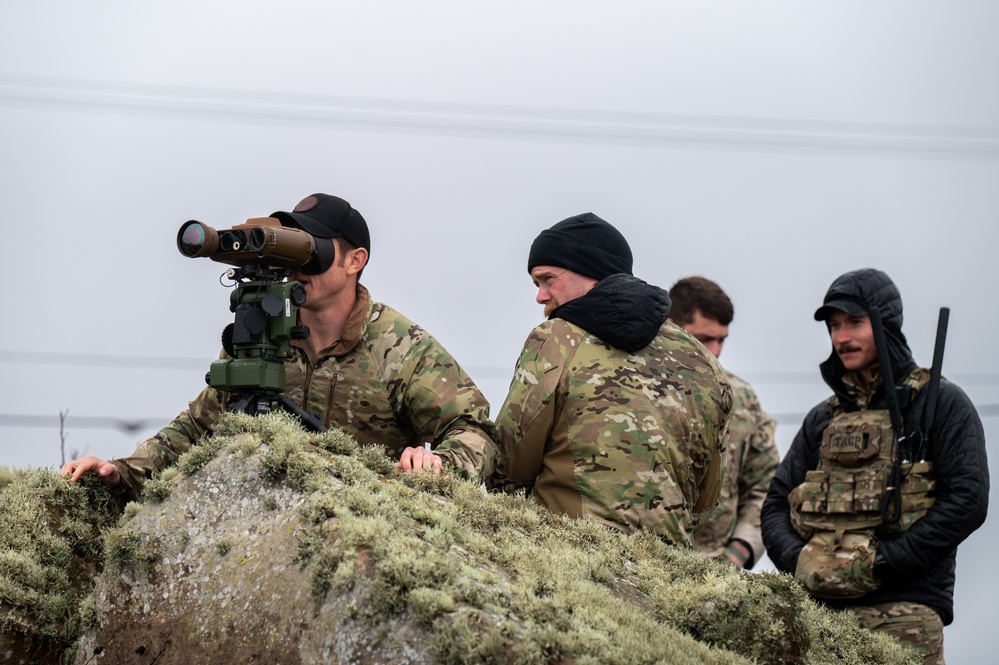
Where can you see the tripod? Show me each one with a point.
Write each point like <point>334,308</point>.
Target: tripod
<point>265,309</point>
<point>258,402</point>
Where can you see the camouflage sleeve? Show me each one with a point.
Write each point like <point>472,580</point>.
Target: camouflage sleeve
<point>162,450</point>
<point>758,468</point>
<point>709,488</point>
<point>446,407</point>
<point>528,415</point>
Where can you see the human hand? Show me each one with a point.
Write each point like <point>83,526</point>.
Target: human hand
<point>415,459</point>
<point>106,471</point>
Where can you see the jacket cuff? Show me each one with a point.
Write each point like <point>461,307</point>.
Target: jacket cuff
<point>747,560</point>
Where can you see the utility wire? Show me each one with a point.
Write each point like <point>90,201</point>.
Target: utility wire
<point>487,371</point>
<point>497,121</point>
<point>104,361</point>
<point>131,426</point>
<point>984,411</point>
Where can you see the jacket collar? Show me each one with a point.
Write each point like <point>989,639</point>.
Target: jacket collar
<point>353,328</point>
<point>621,310</point>
<point>351,335</point>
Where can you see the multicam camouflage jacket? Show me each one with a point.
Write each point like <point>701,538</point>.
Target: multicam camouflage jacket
<point>632,438</point>
<point>386,382</point>
<point>753,459</point>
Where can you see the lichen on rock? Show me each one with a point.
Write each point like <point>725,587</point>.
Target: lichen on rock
<point>51,551</point>
<point>273,544</point>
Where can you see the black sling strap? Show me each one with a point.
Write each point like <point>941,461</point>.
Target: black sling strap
<point>891,504</point>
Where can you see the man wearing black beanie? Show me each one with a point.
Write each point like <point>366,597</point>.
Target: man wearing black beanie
<point>614,412</point>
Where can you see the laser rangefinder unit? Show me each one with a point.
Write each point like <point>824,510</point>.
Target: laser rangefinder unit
<point>261,241</point>
<point>264,303</point>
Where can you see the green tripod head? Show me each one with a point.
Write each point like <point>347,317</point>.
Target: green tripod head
<point>258,340</point>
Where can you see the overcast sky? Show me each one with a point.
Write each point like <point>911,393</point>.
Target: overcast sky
<point>769,146</point>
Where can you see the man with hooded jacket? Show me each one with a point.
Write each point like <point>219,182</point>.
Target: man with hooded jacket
<point>613,412</point>
<point>867,508</point>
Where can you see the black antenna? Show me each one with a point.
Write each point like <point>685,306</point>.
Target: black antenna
<point>938,352</point>
<point>933,391</point>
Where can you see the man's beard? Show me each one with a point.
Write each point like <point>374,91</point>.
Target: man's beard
<point>550,307</point>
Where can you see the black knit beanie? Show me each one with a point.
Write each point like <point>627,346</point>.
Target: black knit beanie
<point>584,244</point>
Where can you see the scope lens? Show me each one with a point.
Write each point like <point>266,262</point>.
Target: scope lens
<point>232,241</point>
<point>192,239</point>
<point>257,239</point>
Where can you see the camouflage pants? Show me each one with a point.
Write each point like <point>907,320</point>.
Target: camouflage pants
<point>918,626</point>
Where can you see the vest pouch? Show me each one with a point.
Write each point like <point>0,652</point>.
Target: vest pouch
<point>808,501</point>
<point>868,490</point>
<point>835,500</point>
<point>919,492</point>
<point>838,564</point>
<point>840,493</point>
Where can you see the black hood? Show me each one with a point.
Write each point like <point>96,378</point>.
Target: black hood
<point>857,293</point>
<point>621,310</point>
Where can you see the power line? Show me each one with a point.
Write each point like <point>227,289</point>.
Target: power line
<point>487,371</point>
<point>133,425</point>
<point>497,121</point>
<point>104,361</point>
<point>984,411</point>
<point>89,422</point>
<point>974,378</point>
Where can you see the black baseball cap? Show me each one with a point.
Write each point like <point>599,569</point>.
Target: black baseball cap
<point>327,216</point>
<point>851,306</point>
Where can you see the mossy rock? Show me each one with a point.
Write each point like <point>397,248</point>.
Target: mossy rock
<point>273,544</point>
<point>51,552</point>
<point>7,475</point>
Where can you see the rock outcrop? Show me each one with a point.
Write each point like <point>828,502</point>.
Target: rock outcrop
<point>268,543</point>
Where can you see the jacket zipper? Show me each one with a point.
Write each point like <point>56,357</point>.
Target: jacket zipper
<point>329,399</point>
<point>308,384</point>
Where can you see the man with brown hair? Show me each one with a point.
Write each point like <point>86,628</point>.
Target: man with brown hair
<point>732,533</point>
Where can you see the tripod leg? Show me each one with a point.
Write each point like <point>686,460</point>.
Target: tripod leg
<point>310,421</point>
<point>256,403</point>
<point>246,403</point>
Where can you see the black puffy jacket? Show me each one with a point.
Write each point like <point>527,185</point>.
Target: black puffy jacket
<point>919,564</point>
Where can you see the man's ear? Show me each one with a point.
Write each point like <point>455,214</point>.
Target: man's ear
<point>356,259</point>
